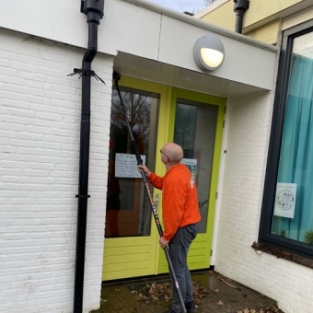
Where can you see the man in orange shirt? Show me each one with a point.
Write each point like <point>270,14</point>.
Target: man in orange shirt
<point>181,217</point>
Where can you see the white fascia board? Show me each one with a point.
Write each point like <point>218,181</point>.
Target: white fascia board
<point>57,20</point>
<point>124,26</point>
<point>143,29</point>
<point>169,38</point>
<point>62,21</point>
<point>199,23</point>
<point>243,62</point>
<point>130,29</point>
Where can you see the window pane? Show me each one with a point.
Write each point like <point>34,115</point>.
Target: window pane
<point>293,207</point>
<point>128,207</point>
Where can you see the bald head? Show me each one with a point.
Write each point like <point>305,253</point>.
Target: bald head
<point>173,151</point>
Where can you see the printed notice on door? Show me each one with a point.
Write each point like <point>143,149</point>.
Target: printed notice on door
<point>192,165</point>
<point>126,165</point>
<point>285,200</point>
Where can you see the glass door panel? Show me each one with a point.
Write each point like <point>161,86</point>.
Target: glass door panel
<point>195,129</point>
<point>130,243</point>
<point>128,208</point>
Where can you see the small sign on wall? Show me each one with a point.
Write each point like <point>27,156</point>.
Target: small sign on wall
<point>285,200</point>
<point>126,165</point>
<point>192,165</point>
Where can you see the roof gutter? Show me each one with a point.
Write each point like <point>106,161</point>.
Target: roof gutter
<point>94,11</point>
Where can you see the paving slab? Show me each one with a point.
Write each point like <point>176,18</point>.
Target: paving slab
<point>214,293</point>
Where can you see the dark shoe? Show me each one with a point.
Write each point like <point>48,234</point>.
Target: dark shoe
<point>190,307</point>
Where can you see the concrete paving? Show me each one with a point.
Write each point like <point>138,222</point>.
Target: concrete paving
<point>213,293</point>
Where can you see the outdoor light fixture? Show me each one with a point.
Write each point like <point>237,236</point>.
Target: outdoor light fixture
<point>208,53</point>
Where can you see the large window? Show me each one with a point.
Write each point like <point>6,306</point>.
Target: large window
<point>287,214</point>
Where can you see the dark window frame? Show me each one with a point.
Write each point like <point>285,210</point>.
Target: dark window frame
<point>265,235</point>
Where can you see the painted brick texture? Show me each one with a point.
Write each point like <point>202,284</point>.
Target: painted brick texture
<point>40,128</point>
<point>248,131</point>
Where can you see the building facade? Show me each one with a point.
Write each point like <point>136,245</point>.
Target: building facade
<point>223,120</point>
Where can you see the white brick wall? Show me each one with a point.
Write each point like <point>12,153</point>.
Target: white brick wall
<point>39,127</point>
<point>247,136</point>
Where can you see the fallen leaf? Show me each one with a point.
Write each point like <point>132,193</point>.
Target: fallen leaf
<point>220,303</point>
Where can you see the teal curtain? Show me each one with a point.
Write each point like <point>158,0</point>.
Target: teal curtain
<point>296,158</point>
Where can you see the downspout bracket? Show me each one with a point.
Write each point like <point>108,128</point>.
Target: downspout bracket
<point>86,72</point>
<point>82,196</point>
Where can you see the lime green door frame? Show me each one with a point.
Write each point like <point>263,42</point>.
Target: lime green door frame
<point>200,250</point>
<point>141,256</point>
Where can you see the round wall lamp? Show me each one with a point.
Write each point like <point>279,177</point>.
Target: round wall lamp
<point>208,53</point>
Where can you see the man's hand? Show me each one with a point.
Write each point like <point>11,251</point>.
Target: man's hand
<point>163,243</point>
<point>144,169</point>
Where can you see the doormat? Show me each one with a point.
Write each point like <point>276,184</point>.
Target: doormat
<point>160,291</point>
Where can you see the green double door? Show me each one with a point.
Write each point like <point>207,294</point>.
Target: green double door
<point>157,114</point>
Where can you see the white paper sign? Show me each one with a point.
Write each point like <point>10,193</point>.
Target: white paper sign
<point>126,165</point>
<point>285,200</point>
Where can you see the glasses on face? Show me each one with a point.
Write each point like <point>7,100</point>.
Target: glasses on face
<point>164,154</point>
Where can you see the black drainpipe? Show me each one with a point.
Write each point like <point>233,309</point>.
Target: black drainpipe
<point>241,6</point>
<point>94,11</point>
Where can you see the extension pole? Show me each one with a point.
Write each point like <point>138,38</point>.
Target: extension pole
<point>116,77</point>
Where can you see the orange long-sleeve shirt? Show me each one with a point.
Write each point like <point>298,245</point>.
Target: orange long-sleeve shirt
<point>180,200</point>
